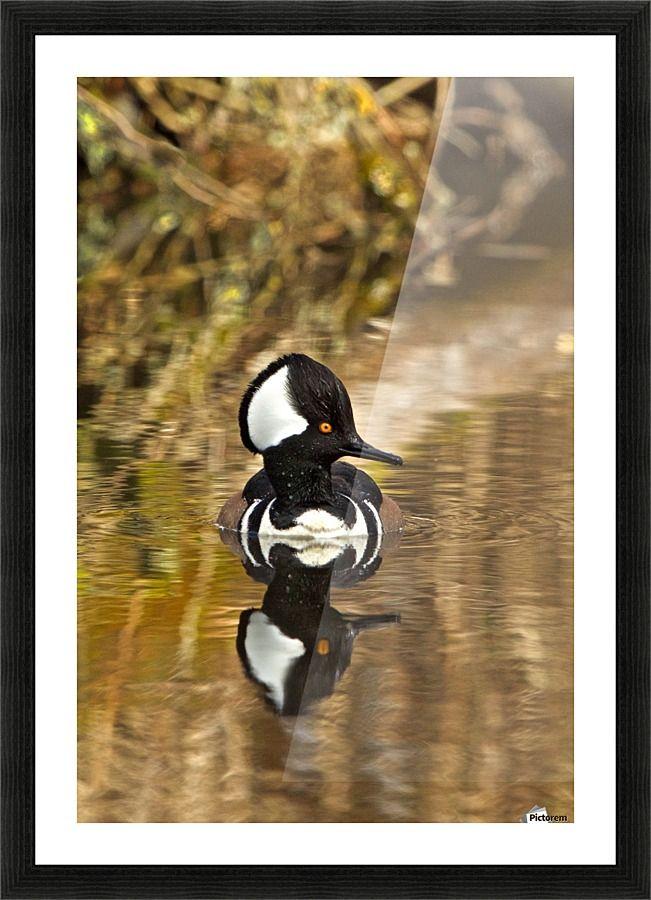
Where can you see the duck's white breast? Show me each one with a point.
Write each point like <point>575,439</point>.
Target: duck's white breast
<point>314,523</point>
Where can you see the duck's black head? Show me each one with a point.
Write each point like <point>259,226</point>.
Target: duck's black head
<point>299,407</point>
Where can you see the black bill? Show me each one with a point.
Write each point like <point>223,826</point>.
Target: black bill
<point>366,451</point>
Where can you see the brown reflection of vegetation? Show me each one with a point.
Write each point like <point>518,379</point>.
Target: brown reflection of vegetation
<point>223,221</point>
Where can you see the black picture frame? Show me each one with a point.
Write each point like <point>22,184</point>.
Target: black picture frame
<point>21,22</point>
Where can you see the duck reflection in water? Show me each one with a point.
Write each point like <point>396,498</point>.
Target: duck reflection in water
<point>297,646</point>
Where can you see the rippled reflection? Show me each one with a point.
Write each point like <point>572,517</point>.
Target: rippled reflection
<point>297,646</point>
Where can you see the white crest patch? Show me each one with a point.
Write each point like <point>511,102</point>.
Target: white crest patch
<point>271,418</point>
<point>270,654</point>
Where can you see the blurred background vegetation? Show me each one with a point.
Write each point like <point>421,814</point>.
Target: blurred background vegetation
<point>218,215</point>
<point>209,208</point>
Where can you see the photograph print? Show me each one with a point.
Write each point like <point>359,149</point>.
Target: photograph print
<point>325,444</point>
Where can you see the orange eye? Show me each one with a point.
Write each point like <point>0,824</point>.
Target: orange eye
<point>325,427</point>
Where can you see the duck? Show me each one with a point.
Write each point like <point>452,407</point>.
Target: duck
<point>296,413</point>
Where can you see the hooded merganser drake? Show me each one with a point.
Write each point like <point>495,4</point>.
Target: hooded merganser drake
<point>297,646</point>
<point>298,415</point>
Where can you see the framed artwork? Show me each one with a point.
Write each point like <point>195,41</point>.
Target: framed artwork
<point>325,348</point>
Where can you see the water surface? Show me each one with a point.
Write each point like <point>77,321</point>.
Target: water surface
<point>461,712</point>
